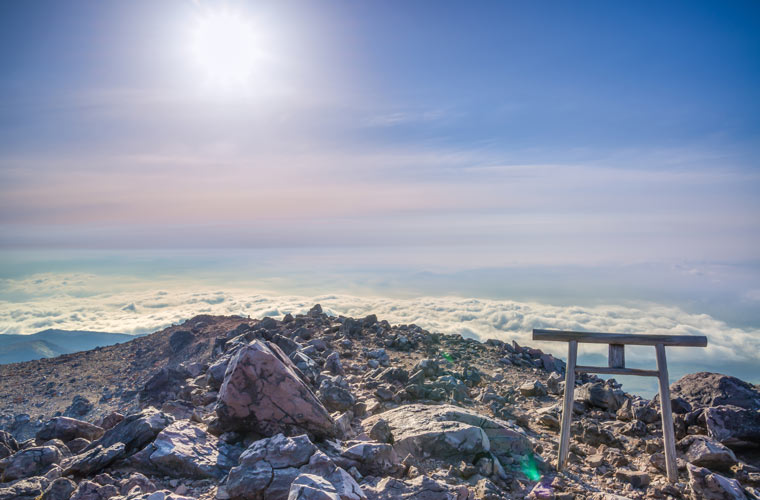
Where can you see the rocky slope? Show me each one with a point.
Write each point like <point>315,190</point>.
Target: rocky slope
<point>317,407</point>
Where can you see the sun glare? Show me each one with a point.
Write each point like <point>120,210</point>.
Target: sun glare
<point>224,47</point>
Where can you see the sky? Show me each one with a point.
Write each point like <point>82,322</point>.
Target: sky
<point>587,154</point>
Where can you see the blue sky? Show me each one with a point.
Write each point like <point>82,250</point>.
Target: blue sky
<point>583,158</point>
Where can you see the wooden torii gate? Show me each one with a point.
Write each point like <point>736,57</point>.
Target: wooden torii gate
<point>616,366</point>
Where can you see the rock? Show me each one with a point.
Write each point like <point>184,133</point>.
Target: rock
<point>67,429</point>
<point>429,367</point>
<point>80,406</point>
<point>333,364</point>
<point>29,462</point>
<point>185,450</point>
<point>595,435</point>
<point>381,431</point>
<point>94,460</point>
<point>448,431</point>
<point>707,485</point>
<point>88,490</point>
<point>733,426</point>
<point>378,459</point>
<point>534,388</point>
<point>703,451</point>
<point>77,445</point>
<point>334,396</point>
<point>268,467</point>
<point>8,444</point>
<point>311,487</point>
<point>135,431</point>
<point>637,479</point>
<point>597,394</point>
<point>553,383</point>
<point>706,389</point>
<point>419,488</point>
<point>110,420</point>
<point>164,384</point>
<point>138,482</point>
<point>261,392</point>
<point>60,489</point>
<point>25,489</point>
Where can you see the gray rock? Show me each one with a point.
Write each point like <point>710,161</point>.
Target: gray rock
<point>419,488</point>
<point>733,426</point>
<point>135,431</point>
<point>381,431</point>
<point>80,406</point>
<point>67,429</point>
<point>263,393</point>
<point>94,460</point>
<point>447,432</point>
<point>334,396</point>
<point>25,489</point>
<point>60,489</point>
<point>88,490</point>
<point>703,451</point>
<point>378,459</point>
<point>29,462</point>
<point>333,364</point>
<point>311,487</point>
<point>706,389</point>
<point>599,395</point>
<point>533,389</point>
<point>183,449</point>
<point>137,482</point>
<point>8,445</point>
<point>553,383</point>
<point>637,479</point>
<point>707,485</point>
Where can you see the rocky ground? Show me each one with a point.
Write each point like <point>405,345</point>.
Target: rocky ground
<point>314,407</point>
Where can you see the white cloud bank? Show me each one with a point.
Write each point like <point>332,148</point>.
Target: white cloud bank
<point>91,302</point>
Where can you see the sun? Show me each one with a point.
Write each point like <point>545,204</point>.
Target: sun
<point>224,47</point>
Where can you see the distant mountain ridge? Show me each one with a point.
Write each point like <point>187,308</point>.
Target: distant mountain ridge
<point>51,343</point>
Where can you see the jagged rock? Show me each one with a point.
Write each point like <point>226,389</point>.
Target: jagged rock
<point>77,445</point>
<point>706,389</point>
<point>333,364</point>
<point>702,451</point>
<point>8,445</point>
<point>334,396</point>
<point>534,388</point>
<point>419,488</point>
<point>88,490</point>
<point>95,459</point>
<point>137,482</point>
<point>448,431</point>
<point>60,489</point>
<point>80,406</point>
<point>29,462</point>
<point>311,487</point>
<point>375,458</point>
<point>637,479</point>
<point>135,431</point>
<point>25,489</point>
<point>67,429</point>
<point>706,485</point>
<point>268,467</point>
<point>597,394</point>
<point>183,449</point>
<point>733,426</point>
<point>110,420</point>
<point>381,431</point>
<point>553,383</point>
<point>263,393</point>
<point>164,384</point>
<point>429,367</point>
<point>180,339</point>
<point>215,372</point>
<point>594,435</point>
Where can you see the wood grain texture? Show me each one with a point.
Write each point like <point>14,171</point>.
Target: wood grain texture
<point>616,356</point>
<point>668,433</point>
<point>567,407</point>
<point>617,371</point>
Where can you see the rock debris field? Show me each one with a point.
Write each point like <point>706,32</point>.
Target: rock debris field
<point>316,407</point>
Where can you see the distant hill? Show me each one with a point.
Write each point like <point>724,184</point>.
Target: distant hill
<point>51,343</point>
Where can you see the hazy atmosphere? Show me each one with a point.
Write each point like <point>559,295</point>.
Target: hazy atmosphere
<point>481,171</point>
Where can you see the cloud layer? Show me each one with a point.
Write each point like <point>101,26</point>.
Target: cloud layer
<point>92,302</point>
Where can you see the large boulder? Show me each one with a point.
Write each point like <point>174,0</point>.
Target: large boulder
<point>733,426</point>
<point>450,432</point>
<point>268,468</point>
<point>262,392</point>
<point>135,431</point>
<point>60,489</point>
<point>705,389</point>
<point>705,452</point>
<point>94,460</point>
<point>183,449</point>
<point>599,395</point>
<point>67,429</point>
<point>707,485</point>
<point>311,487</point>
<point>29,462</point>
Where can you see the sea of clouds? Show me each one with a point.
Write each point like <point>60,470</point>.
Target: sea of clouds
<point>102,303</point>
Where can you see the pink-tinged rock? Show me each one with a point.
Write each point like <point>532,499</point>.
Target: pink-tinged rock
<point>262,392</point>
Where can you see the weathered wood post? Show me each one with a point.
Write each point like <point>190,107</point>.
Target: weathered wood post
<point>616,366</point>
